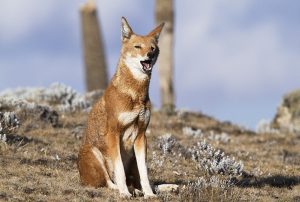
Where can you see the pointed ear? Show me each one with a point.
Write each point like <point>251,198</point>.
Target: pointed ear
<point>156,32</point>
<point>125,29</point>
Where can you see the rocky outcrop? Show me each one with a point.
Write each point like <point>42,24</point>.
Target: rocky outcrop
<point>40,106</point>
<point>287,117</point>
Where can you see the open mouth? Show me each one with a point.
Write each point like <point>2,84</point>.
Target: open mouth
<point>147,65</point>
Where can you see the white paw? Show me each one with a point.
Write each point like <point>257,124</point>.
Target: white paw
<point>111,185</point>
<point>150,195</point>
<point>126,195</point>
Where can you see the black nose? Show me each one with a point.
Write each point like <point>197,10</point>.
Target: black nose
<point>151,55</point>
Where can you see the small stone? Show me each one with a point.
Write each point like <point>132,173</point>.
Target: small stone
<point>168,188</point>
<point>176,173</point>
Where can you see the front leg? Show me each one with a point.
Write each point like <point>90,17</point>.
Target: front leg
<point>140,150</point>
<point>119,172</point>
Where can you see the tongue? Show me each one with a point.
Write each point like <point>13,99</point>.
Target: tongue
<point>147,66</point>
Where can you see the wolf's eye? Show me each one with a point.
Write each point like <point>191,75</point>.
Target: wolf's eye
<point>152,48</point>
<point>138,47</point>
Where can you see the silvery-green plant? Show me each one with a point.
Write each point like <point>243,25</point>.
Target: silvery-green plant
<point>8,122</point>
<point>213,181</point>
<point>3,138</point>
<point>157,160</point>
<point>169,145</point>
<point>192,132</point>
<point>168,149</point>
<point>57,95</point>
<point>66,97</point>
<point>166,143</point>
<point>25,109</point>
<point>264,126</point>
<point>214,161</point>
<point>16,104</point>
<point>222,137</point>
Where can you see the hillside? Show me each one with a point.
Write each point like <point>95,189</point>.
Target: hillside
<point>41,131</point>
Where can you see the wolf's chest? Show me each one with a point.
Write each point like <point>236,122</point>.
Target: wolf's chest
<point>135,122</point>
<point>140,116</point>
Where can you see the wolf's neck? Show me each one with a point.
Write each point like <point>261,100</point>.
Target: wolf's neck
<point>125,81</point>
<point>134,68</point>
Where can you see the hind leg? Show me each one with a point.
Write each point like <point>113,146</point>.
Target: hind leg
<point>92,168</point>
<point>132,174</point>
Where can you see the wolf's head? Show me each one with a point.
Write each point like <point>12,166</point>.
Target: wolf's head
<point>139,52</point>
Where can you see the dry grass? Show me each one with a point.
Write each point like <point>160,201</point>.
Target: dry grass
<point>40,163</point>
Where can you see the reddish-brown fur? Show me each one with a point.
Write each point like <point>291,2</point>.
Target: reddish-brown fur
<point>105,131</point>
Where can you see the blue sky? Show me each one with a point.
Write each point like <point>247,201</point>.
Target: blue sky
<point>233,59</point>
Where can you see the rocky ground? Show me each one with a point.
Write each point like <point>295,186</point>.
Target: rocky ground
<point>209,160</point>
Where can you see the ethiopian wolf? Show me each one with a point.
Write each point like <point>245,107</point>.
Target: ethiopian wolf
<point>114,148</point>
